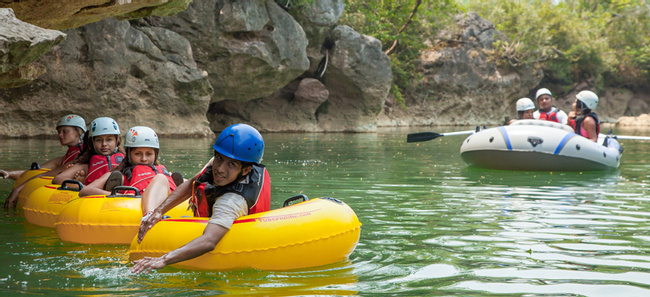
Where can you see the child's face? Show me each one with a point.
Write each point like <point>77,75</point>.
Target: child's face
<point>142,156</point>
<point>225,170</point>
<point>527,114</point>
<point>105,144</point>
<point>68,135</point>
<point>545,102</point>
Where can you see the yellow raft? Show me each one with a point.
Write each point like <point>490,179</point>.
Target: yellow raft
<point>105,219</point>
<point>307,234</point>
<point>45,203</point>
<point>29,174</point>
<point>30,187</point>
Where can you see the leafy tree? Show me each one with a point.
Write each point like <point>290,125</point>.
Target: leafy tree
<point>574,40</point>
<point>402,26</point>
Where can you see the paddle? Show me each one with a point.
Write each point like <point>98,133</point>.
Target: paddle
<point>426,136</point>
<point>627,137</point>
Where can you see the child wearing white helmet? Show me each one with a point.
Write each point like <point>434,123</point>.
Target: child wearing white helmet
<point>232,184</point>
<point>546,110</point>
<point>101,154</point>
<point>138,169</point>
<point>583,119</point>
<point>70,130</point>
<point>525,109</point>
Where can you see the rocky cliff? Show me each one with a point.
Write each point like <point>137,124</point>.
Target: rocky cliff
<point>193,68</point>
<point>219,61</point>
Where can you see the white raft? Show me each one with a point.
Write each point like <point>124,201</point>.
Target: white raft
<point>538,146</point>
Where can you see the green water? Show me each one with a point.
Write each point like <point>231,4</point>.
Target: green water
<point>431,226</point>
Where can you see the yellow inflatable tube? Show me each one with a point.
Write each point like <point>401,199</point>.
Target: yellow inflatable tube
<point>105,219</point>
<point>29,174</point>
<point>312,233</point>
<point>30,187</point>
<point>45,203</point>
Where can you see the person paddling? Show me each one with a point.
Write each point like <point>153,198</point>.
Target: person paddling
<point>583,119</point>
<point>101,154</point>
<point>525,109</point>
<point>70,129</point>
<point>232,184</point>
<point>546,110</point>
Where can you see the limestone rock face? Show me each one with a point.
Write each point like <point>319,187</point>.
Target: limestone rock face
<point>359,77</point>
<point>351,94</point>
<point>64,14</point>
<point>21,44</point>
<point>249,48</point>
<point>250,60</point>
<point>137,75</point>
<point>461,85</point>
<point>641,121</point>
<point>317,20</point>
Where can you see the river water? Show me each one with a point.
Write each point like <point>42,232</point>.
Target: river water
<point>431,226</point>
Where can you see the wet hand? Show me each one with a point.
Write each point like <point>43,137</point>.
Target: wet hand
<point>11,200</point>
<point>147,222</point>
<point>146,264</point>
<point>4,174</point>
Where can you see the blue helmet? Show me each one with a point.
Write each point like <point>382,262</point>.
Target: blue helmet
<point>240,142</point>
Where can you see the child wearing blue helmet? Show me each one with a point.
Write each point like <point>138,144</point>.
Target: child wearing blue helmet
<point>232,184</point>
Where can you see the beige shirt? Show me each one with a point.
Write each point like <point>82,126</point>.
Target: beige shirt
<point>227,209</point>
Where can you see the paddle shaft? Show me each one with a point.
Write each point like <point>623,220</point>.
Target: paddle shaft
<point>627,137</point>
<point>426,136</point>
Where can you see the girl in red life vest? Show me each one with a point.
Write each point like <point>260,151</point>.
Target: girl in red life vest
<point>546,110</point>
<point>101,155</point>
<point>582,119</point>
<point>70,130</point>
<point>138,169</point>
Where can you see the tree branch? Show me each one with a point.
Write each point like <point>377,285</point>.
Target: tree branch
<point>408,21</point>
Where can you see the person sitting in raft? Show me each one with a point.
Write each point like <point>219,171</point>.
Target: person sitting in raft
<point>139,169</point>
<point>70,129</point>
<point>582,119</point>
<point>101,154</point>
<point>546,110</point>
<point>232,184</point>
<point>525,109</point>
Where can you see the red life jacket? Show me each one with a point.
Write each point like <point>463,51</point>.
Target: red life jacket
<point>549,116</point>
<point>257,192</point>
<point>99,165</point>
<point>71,154</point>
<point>140,176</point>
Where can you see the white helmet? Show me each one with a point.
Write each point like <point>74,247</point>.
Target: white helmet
<point>524,104</point>
<point>589,98</point>
<point>103,126</point>
<point>72,120</point>
<point>543,91</point>
<point>140,136</point>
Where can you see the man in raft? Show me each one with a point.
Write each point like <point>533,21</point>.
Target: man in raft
<point>231,185</point>
<point>546,110</point>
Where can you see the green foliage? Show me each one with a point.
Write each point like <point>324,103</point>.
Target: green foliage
<point>384,20</point>
<point>574,40</point>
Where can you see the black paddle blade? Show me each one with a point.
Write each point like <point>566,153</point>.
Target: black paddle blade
<point>422,136</point>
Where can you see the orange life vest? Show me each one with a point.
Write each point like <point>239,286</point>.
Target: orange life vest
<point>140,176</point>
<point>549,116</point>
<point>71,154</point>
<point>99,165</point>
<point>257,192</point>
